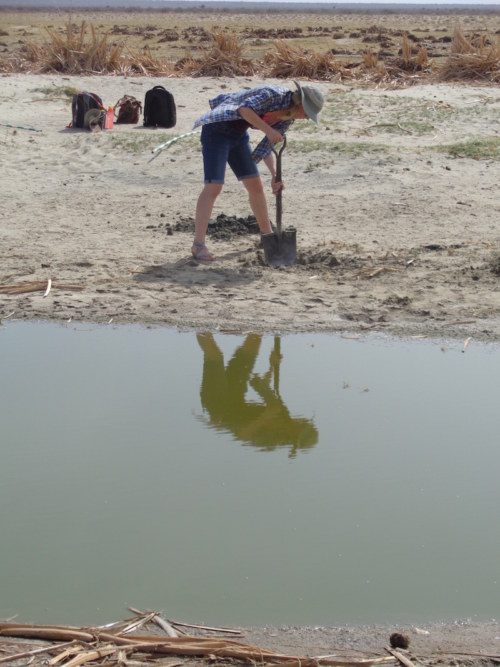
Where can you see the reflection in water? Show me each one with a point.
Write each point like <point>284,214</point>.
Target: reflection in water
<point>266,424</point>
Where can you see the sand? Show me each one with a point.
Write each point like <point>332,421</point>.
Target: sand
<point>397,228</point>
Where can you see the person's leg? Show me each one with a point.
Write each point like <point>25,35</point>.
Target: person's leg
<point>215,150</point>
<point>204,208</point>
<point>241,162</point>
<point>258,203</point>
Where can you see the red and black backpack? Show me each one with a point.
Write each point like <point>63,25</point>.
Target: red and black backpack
<point>81,103</point>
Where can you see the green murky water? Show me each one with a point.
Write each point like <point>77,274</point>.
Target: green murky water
<point>246,480</point>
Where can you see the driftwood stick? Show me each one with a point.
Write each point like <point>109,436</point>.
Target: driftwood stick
<point>75,647</point>
<point>450,324</point>
<point>206,627</point>
<point>380,660</point>
<point>165,626</point>
<point>54,633</point>
<point>399,656</point>
<point>194,646</point>
<point>88,656</point>
<point>38,286</point>
<point>339,662</point>
<point>159,621</point>
<point>488,656</point>
<point>136,624</point>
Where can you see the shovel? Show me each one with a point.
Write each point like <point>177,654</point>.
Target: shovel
<point>280,247</point>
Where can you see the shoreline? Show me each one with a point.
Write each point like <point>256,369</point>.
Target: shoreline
<point>460,642</point>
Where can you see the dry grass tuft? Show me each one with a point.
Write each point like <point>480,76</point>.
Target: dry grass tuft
<point>293,62</point>
<point>223,57</point>
<point>472,59</point>
<point>145,63</point>
<point>370,60</point>
<point>74,52</point>
<point>80,50</point>
<point>412,59</point>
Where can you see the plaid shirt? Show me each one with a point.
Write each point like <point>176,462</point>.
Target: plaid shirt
<point>262,100</point>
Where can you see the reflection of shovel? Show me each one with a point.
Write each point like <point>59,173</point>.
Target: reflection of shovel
<point>280,247</point>
<point>276,363</point>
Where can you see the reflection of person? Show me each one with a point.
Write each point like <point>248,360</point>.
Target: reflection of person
<point>267,424</point>
<point>225,140</point>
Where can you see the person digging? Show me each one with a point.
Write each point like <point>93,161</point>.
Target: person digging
<point>225,141</point>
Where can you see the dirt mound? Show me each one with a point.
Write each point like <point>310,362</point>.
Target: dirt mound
<point>317,259</point>
<point>495,266</point>
<point>223,227</point>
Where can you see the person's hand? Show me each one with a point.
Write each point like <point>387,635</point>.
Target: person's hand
<point>274,136</point>
<point>276,185</point>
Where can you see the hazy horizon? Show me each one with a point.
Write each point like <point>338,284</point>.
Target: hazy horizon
<point>469,3</point>
<point>371,2</point>
<point>430,3</point>
<point>391,5</point>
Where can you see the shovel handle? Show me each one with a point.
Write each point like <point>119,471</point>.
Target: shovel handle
<point>279,198</point>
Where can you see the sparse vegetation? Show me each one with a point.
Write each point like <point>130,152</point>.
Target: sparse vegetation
<point>141,143</point>
<point>352,148</point>
<point>487,148</point>
<point>320,46</point>
<point>57,92</point>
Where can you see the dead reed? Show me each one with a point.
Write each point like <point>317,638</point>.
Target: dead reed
<point>222,57</point>
<point>38,286</point>
<point>412,59</point>
<point>78,50</point>
<point>81,50</point>
<point>288,62</point>
<point>145,63</point>
<point>471,59</point>
<point>115,645</point>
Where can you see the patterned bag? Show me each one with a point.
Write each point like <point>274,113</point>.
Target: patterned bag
<point>129,110</point>
<point>82,103</point>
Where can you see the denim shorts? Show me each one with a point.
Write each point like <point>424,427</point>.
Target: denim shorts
<point>224,144</point>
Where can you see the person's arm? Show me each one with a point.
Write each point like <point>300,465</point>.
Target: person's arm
<point>269,162</point>
<point>263,152</point>
<point>256,121</point>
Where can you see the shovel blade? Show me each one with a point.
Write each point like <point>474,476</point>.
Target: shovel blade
<point>280,249</point>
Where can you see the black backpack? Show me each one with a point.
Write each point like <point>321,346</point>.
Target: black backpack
<point>159,108</point>
<point>83,102</point>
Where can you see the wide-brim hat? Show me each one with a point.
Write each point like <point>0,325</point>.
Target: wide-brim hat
<point>312,100</point>
<point>92,118</point>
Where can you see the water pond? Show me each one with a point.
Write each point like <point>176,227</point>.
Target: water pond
<point>246,480</point>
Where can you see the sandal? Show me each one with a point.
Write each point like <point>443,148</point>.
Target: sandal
<point>201,252</point>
